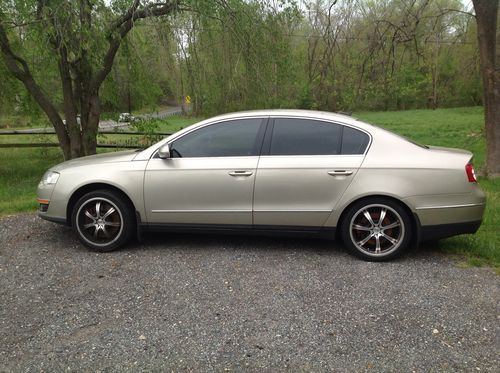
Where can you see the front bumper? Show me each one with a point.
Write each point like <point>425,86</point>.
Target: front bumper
<point>53,219</point>
<point>48,205</point>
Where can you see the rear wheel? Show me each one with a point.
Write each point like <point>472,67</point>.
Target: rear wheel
<point>102,220</point>
<point>376,229</point>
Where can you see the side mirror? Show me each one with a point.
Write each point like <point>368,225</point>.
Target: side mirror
<point>164,152</point>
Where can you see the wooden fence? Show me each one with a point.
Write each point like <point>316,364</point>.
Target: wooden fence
<point>55,144</point>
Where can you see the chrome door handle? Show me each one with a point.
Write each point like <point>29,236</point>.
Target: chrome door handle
<point>240,173</point>
<point>340,172</point>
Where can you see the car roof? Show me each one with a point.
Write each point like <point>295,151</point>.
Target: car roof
<point>311,114</point>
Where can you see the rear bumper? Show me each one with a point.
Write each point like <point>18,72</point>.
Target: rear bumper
<point>436,232</point>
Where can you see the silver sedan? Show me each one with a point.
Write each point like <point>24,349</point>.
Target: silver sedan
<point>272,171</point>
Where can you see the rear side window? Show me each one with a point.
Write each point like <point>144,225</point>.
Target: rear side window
<point>293,136</point>
<point>235,138</point>
<point>354,141</point>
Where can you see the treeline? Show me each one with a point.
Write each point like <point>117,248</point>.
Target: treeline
<point>230,55</point>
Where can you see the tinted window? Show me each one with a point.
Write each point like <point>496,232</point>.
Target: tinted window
<point>226,139</point>
<point>305,137</point>
<point>354,141</point>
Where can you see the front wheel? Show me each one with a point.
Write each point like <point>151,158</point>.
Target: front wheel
<point>376,229</point>
<point>103,221</point>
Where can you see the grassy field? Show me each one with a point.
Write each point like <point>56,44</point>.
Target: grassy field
<point>455,128</point>
<point>21,169</point>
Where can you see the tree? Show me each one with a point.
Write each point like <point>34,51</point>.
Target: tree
<point>83,36</point>
<point>487,20</point>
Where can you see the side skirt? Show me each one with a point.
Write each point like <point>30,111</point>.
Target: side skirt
<point>262,230</point>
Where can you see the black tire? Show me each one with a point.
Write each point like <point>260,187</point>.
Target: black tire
<point>103,220</point>
<point>372,238</point>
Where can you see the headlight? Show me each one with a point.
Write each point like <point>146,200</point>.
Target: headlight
<point>50,178</point>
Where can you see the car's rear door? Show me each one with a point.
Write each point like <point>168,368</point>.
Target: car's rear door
<point>303,172</point>
<point>210,177</point>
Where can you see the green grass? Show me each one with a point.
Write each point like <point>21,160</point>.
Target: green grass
<point>21,169</point>
<point>22,121</point>
<point>455,128</point>
<point>175,124</point>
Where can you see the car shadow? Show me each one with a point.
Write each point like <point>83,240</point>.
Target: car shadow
<point>259,244</point>
<point>217,241</point>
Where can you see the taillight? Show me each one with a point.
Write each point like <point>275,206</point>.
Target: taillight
<point>471,175</point>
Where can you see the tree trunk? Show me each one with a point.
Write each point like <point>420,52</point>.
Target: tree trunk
<point>89,140</point>
<point>486,19</point>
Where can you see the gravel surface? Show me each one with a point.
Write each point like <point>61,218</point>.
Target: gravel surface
<point>223,303</point>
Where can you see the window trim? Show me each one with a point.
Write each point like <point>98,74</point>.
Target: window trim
<point>266,147</point>
<point>269,124</point>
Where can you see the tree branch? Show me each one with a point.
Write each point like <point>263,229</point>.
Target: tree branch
<point>19,68</point>
<point>120,28</point>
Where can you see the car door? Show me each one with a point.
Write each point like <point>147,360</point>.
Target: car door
<point>304,170</point>
<point>209,178</point>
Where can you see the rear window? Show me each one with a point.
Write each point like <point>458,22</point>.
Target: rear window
<point>354,141</point>
<point>297,136</point>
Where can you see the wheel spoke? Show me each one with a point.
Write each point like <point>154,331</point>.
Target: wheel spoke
<point>377,244</point>
<point>87,226</point>
<point>365,240</point>
<point>105,231</point>
<point>383,212</point>
<point>367,215</point>
<point>88,214</point>
<point>392,225</point>
<point>109,212</point>
<point>360,227</point>
<point>96,231</point>
<point>390,239</point>
<point>112,224</point>
<point>98,209</point>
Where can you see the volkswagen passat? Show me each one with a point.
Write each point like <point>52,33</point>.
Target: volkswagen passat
<point>280,171</point>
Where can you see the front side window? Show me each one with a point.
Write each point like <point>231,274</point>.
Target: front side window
<point>294,136</point>
<point>234,138</point>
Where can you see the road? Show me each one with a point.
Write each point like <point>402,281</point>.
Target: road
<point>223,303</point>
<point>111,124</point>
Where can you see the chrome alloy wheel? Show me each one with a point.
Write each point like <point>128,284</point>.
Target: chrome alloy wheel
<point>99,221</point>
<point>377,230</point>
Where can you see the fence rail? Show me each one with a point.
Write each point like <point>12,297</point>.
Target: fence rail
<point>104,131</point>
<point>52,132</point>
<point>53,144</point>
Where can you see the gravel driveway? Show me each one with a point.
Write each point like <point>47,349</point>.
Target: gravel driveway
<point>216,303</point>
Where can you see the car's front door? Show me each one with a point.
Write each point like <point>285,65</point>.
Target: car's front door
<point>304,168</point>
<point>209,178</point>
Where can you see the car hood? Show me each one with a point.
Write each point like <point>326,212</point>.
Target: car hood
<point>123,156</point>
